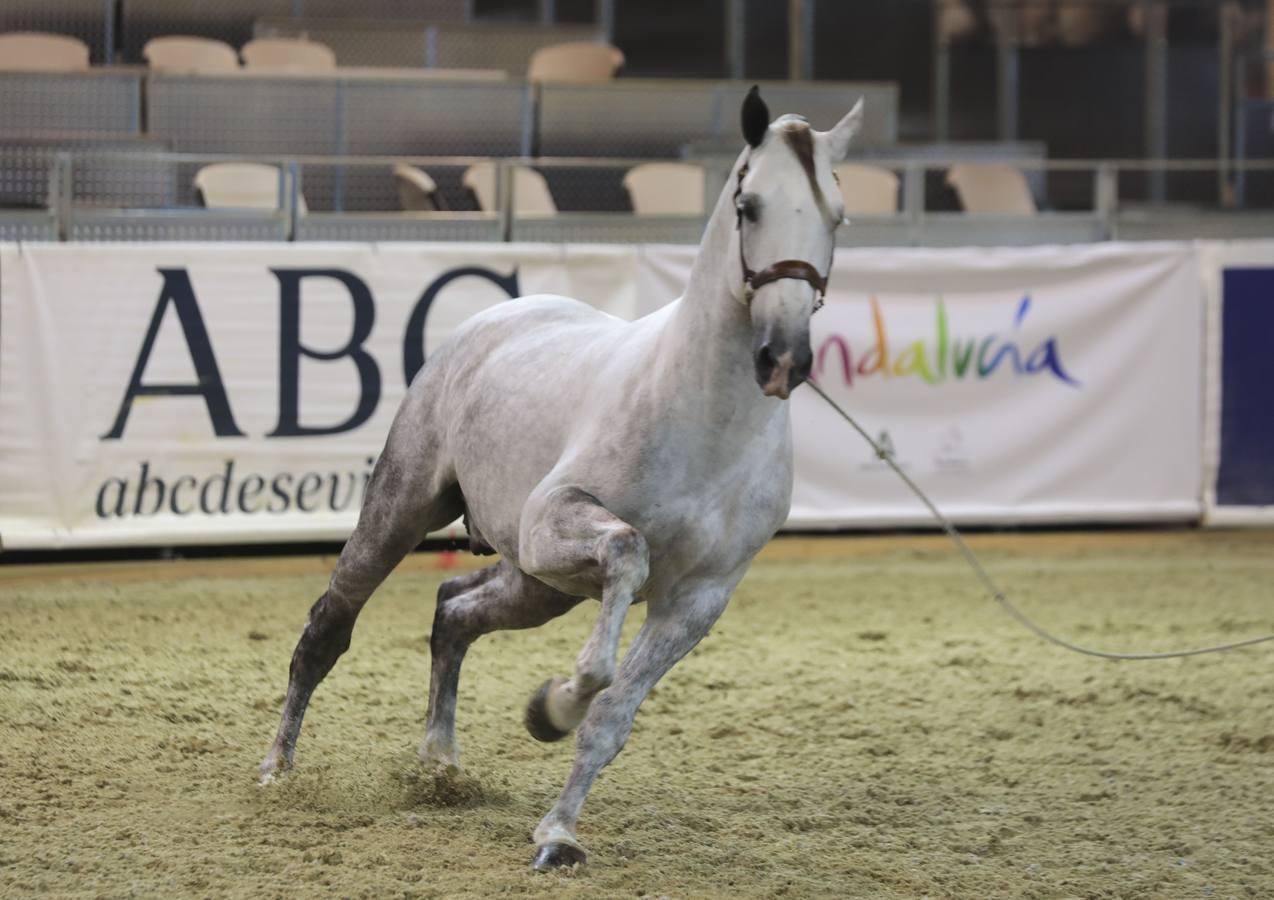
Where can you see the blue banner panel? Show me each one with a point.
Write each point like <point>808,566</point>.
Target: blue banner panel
<point>1246,475</point>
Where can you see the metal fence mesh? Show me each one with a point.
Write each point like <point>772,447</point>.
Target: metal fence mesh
<point>419,10</point>
<point>100,102</point>
<point>27,225</point>
<point>399,227</point>
<point>105,173</point>
<point>420,118</point>
<point>627,118</point>
<point>101,225</point>
<point>583,228</point>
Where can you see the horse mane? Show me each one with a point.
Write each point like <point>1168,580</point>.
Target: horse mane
<point>796,132</point>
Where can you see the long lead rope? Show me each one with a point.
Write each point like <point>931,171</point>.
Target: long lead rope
<point>991,587</point>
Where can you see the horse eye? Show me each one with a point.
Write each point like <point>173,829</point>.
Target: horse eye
<point>748,207</point>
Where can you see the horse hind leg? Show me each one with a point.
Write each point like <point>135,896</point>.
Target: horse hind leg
<point>499,597</point>
<point>397,513</point>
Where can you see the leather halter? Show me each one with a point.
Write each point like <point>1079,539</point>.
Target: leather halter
<point>796,269</point>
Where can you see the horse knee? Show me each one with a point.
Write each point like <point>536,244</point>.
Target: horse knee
<point>569,536</point>
<point>624,557</point>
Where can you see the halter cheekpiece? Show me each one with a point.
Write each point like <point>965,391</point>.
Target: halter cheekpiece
<point>797,269</point>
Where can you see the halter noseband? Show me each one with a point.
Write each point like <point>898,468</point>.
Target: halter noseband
<point>797,269</point>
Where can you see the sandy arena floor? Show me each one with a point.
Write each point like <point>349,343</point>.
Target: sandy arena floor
<point>862,723</point>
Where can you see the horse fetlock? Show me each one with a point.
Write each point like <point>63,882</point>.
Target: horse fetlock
<point>594,672</point>
<point>440,751</point>
<point>568,701</point>
<point>275,764</point>
<point>555,710</point>
<point>552,830</point>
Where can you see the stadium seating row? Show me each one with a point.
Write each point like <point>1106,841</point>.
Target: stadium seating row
<point>188,54</point>
<point>506,46</point>
<point>654,189</point>
<point>117,30</point>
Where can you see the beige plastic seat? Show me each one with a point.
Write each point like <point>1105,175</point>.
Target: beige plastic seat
<point>1081,24</point>
<point>287,55</point>
<point>984,188</point>
<point>955,20</point>
<point>1036,24</point>
<point>35,51</point>
<point>189,55</point>
<point>417,192</point>
<point>575,61</point>
<point>531,195</point>
<point>867,190</point>
<point>665,189</point>
<point>242,186</point>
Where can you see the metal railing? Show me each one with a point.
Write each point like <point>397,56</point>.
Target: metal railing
<point>1246,111</point>
<point>356,198</point>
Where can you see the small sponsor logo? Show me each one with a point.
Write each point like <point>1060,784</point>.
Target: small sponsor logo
<point>952,455</point>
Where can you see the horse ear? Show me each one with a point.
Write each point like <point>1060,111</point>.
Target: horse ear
<point>839,137</point>
<point>756,117</point>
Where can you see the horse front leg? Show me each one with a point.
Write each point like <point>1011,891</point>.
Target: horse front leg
<point>671,630</point>
<point>572,541</point>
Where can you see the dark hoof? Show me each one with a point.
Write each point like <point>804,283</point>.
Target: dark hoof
<point>558,855</point>
<point>539,724</point>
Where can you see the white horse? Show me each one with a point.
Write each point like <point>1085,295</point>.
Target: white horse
<point>625,461</point>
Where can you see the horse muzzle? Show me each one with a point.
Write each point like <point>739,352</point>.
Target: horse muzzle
<point>781,369</point>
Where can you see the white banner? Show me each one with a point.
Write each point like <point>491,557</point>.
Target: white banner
<point>156,394</point>
<point>1042,384</point>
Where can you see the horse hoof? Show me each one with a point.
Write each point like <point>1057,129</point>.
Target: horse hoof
<point>271,770</point>
<point>538,722</point>
<point>558,855</point>
<point>444,759</point>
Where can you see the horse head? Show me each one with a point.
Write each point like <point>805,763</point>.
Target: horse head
<point>788,208</point>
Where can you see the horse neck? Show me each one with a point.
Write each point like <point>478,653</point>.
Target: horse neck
<point>710,334</point>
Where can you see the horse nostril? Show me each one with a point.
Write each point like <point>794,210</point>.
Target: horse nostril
<point>765,361</point>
